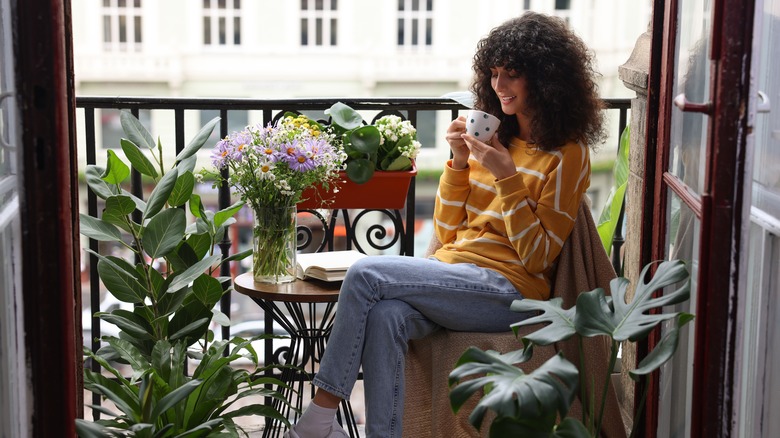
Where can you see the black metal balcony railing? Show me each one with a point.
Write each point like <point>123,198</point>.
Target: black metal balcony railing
<point>402,222</point>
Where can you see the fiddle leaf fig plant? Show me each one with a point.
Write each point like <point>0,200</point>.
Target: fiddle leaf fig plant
<point>170,279</point>
<point>531,403</point>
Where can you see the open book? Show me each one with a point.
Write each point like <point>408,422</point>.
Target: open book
<point>327,266</point>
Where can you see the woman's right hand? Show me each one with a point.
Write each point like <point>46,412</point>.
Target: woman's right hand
<point>460,151</point>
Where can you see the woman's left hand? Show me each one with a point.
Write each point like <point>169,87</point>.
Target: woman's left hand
<point>494,157</point>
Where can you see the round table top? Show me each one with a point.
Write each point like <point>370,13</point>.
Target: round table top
<point>302,291</point>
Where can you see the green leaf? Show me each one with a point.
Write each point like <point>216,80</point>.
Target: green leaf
<point>221,216</point>
<point>193,272</point>
<point>132,411</point>
<point>610,213</point>
<point>140,205</point>
<point>161,358</point>
<point>128,322</point>
<point>204,427</point>
<point>116,171</point>
<point>164,232</point>
<point>160,194</point>
<point>344,116</point>
<point>187,165</point>
<point>633,321</point>
<point>561,322</point>
<point>365,139</point>
<point>129,353</point>
<point>197,142</point>
<point>183,257</point>
<point>120,387</point>
<point>663,351</point>
<point>123,285</point>
<point>120,205</point>
<point>220,318</point>
<point>513,394</point>
<point>170,302</point>
<point>239,256</point>
<point>360,171</point>
<point>135,131</point>
<point>196,207</point>
<point>258,409</point>
<point>398,164</point>
<point>200,244</point>
<point>207,290</point>
<point>137,158</point>
<point>174,397</point>
<point>95,182</point>
<point>98,229</point>
<point>193,327</point>
<point>182,190</point>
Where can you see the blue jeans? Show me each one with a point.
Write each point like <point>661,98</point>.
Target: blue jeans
<point>387,300</point>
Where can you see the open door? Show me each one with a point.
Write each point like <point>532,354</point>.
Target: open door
<point>697,164</point>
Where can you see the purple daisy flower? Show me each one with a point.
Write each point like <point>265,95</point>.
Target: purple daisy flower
<point>301,162</point>
<point>241,144</point>
<point>221,154</point>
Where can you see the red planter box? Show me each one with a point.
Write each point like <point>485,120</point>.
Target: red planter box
<point>385,190</point>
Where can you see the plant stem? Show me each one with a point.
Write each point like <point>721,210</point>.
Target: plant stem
<point>608,382</point>
<point>640,409</point>
<point>583,388</point>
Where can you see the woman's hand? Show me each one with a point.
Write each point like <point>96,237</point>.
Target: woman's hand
<point>494,156</point>
<point>460,151</point>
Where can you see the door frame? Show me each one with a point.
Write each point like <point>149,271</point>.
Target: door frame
<point>720,206</point>
<point>43,55</point>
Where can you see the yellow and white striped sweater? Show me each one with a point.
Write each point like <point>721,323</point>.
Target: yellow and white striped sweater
<point>516,225</point>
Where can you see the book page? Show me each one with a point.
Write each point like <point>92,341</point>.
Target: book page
<point>326,264</point>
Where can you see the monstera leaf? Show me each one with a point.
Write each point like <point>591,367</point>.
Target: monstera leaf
<point>537,398</point>
<point>632,321</point>
<point>561,322</point>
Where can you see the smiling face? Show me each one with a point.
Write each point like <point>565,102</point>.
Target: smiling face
<point>510,88</point>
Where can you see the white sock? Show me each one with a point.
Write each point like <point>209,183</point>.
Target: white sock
<point>316,422</point>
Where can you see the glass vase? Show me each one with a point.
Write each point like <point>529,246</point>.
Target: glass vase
<point>274,238</point>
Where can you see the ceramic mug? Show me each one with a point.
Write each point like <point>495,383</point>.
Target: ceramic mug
<point>481,125</point>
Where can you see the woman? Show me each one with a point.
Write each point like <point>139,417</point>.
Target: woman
<point>502,212</point>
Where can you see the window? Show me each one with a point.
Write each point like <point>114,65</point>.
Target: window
<point>319,25</point>
<point>415,22</point>
<point>563,9</point>
<point>122,28</point>
<point>222,22</point>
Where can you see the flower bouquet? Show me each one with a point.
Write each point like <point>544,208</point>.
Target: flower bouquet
<point>271,166</point>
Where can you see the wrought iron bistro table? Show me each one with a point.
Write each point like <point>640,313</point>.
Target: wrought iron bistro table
<point>310,310</point>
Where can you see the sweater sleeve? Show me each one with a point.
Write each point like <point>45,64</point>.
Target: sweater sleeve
<point>449,211</point>
<point>537,230</point>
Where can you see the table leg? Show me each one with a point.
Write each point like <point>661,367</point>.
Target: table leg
<point>309,326</point>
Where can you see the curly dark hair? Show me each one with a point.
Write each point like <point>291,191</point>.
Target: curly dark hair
<point>562,95</point>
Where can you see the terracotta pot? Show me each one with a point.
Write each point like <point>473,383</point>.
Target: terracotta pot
<point>385,190</point>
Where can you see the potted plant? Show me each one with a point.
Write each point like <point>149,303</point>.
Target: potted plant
<point>532,404</point>
<point>170,281</point>
<point>379,162</point>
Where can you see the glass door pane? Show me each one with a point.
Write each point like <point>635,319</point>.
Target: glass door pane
<point>676,379</point>
<point>13,398</point>
<point>688,134</point>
